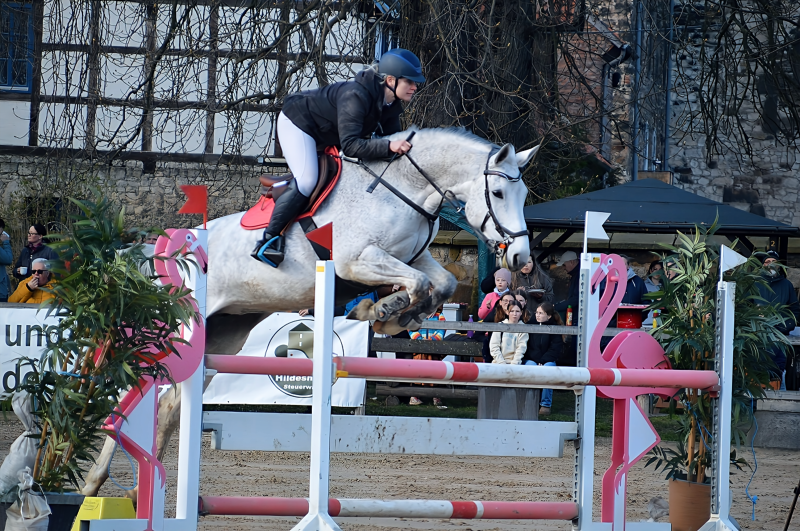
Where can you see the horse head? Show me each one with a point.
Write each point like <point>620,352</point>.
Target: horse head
<point>497,215</point>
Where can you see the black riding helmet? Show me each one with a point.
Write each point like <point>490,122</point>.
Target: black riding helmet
<point>401,63</point>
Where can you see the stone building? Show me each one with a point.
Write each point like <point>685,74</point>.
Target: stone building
<point>764,183</point>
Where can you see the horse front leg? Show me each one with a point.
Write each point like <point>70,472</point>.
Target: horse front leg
<point>375,267</point>
<point>444,284</point>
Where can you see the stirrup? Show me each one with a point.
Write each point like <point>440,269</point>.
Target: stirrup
<point>271,252</point>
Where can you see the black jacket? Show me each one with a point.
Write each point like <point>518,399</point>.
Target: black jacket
<point>26,257</point>
<point>573,296</point>
<point>543,348</point>
<point>346,114</point>
<point>780,292</point>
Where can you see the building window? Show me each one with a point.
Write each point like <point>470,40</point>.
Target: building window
<point>16,46</point>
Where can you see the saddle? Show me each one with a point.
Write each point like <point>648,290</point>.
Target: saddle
<point>330,168</point>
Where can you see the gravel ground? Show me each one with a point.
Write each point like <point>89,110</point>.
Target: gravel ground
<point>445,477</point>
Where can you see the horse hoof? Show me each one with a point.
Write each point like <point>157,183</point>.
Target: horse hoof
<point>363,311</point>
<point>387,307</point>
<point>389,328</point>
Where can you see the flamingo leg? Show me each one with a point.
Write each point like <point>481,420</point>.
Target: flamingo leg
<point>136,435</point>
<point>618,433</point>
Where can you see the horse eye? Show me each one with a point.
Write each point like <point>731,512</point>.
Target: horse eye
<point>498,194</point>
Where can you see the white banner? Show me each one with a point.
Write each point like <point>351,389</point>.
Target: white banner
<point>289,335</point>
<point>26,332</point>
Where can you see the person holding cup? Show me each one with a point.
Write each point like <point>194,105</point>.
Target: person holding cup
<point>6,259</point>
<point>33,250</point>
<point>36,288</point>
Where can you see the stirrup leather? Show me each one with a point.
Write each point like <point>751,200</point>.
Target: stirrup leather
<point>271,252</point>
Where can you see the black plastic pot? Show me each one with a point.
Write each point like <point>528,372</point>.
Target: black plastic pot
<point>64,508</point>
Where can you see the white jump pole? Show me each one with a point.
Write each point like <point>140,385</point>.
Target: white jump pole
<point>191,433</point>
<point>722,413</point>
<point>318,518</point>
<point>585,402</point>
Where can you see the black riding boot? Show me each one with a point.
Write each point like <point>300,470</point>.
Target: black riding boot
<point>288,206</point>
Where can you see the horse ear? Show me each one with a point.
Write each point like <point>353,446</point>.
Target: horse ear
<point>505,151</point>
<point>524,157</point>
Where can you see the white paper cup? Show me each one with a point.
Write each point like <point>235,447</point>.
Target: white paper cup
<point>23,270</point>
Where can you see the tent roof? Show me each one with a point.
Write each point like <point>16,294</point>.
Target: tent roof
<point>650,205</point>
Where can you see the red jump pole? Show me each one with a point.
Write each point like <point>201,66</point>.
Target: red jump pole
<point>486,510</point>
<point>255,365</point>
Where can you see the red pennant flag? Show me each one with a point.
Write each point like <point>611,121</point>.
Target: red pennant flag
<point>323,236</point>
<point>196,201</point>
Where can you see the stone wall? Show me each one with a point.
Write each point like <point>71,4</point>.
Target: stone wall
<point>150,199</point>
<point>767,183</point>
<point>462,261</point>
<point>153,199</point>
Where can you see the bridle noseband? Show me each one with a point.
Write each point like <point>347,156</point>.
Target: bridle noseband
<point>448,197</point>
<point>507,235</point>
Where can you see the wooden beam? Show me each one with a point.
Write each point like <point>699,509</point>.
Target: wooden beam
<point>745,246</point>
<point>220,53</point>
<point>540,238</point>
<point>140,104</point>
<point>211,82</point>
<point>36,82</point>
<point>151,16</point>
<point>556,244</point>
<point>424,346</point>
<point>426,392</point>
<point>93,63</point>
<point>103,156</point>
<point>783,247</point>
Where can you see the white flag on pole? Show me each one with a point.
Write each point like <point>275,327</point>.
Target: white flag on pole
<point>728,259</point>
<point>593,227</point>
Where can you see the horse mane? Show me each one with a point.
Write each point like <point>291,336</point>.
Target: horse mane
<point>449,134</point>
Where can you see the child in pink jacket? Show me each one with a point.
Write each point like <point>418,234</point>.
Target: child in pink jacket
<point>502,281</point>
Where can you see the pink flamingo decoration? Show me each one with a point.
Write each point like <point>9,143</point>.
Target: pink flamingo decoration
<point>632,434</point>
<point>136,432</point>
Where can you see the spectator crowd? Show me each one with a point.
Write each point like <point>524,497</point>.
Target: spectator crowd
<point>31,270</point>
<point>523,297</point>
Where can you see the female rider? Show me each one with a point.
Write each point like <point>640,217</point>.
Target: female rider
<point>351,114</point>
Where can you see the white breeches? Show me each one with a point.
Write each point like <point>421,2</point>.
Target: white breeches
<point>300,152</point>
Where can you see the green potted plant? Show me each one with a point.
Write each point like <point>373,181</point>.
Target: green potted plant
<point>686,330</point>
<point>111,316</point>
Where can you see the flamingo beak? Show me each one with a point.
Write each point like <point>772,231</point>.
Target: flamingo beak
<point>599,275</point>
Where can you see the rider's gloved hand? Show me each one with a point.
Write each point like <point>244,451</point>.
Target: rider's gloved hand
<point>400,147</point>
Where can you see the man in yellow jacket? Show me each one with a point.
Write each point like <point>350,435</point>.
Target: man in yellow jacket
<point>30,290</point>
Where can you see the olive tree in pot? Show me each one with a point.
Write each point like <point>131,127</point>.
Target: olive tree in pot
<point>687,332</point>
<point>112,319</point>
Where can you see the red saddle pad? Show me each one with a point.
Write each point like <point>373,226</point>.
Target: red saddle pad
<point>258,215</point>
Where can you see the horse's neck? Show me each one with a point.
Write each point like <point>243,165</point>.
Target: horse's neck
<point>448,167</point>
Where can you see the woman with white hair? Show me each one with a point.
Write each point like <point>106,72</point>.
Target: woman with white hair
<point>36,288</point>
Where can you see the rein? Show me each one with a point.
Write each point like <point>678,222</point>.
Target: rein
<point>432,217</point>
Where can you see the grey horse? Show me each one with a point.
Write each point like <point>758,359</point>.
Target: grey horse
<point>379,239</point>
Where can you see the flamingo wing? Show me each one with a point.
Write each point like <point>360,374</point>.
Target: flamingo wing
<point>639,350</point>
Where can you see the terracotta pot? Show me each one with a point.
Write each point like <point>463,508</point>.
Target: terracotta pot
<point>689,504</point>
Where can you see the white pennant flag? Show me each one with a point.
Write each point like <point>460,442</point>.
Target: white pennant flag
<point>728,259</point>
<point>593,227</point>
